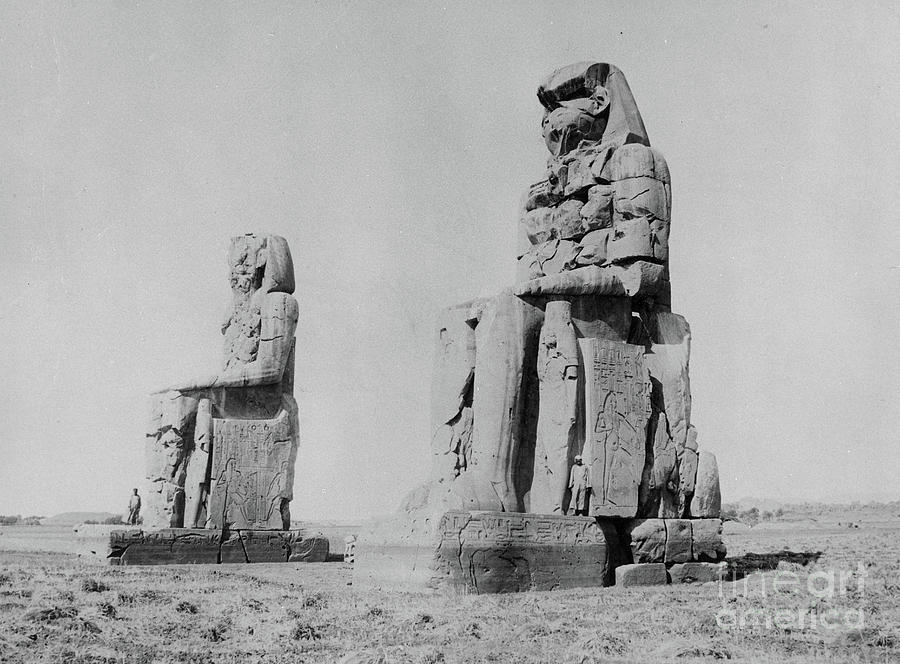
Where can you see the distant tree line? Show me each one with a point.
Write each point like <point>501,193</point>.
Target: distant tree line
<point>750,516</point>
<point>108,521</point>
<point>19,520</point>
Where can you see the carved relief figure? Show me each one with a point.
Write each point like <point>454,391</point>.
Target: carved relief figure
<point>253,389</point>
<point>557,369</point>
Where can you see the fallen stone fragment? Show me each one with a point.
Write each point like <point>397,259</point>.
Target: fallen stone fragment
<point>648,540</point>
<point>695,572</point>
<point>707,541</point>
<point>641,574</point>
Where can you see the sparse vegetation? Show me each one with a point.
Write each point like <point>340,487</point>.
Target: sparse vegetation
<point>52,608</point>
<point>186,607</point>
<point>19,520</point>
<point>93,586</point>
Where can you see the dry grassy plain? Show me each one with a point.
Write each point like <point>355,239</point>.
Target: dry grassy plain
<point>55,607</point>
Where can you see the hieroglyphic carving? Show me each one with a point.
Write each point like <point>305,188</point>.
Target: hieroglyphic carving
<point>617,408</point>
<point>252,472</point>
<point>487,552</point>
<point>195,545</point>
<point>511,527</point>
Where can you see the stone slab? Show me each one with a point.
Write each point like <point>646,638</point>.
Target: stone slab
<point>641,574</point>
<point>647,538</point>
<point>252,470</point>
<point>478,552</point>
<point>177,546</point>
<point>707,544</point>
<point>617,408</point>
<point>695,572</point>
<point>678,540</point>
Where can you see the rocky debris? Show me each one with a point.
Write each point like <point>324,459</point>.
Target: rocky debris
<point>694,572</point>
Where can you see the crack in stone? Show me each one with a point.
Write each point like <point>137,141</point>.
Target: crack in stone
<point>243,547</point>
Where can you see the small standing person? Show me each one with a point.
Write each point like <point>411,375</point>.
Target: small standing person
<point>134,508</point>
<point>580,486</point>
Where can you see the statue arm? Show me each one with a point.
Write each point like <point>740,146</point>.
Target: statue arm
<point>279,322</point>
<point>279,313</point>
<point>635,279</point>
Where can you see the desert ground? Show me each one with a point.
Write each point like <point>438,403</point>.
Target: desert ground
<point>816,584</point>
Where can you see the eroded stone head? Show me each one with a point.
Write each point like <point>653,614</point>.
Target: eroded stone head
<point>260,262</point>
<point>588,101</point>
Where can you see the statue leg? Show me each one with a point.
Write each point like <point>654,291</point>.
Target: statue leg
<point>557,369</point>
<point>167,449</point>
<point>198,467</point>
<point>506,333</point>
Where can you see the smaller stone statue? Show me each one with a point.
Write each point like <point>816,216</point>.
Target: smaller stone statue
<point>221,448</point>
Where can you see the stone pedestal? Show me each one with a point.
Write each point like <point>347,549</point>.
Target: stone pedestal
<point>488,552</point>
<point>175,546</point>
<point>674,540</point>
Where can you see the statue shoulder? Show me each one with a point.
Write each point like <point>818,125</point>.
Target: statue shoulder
<point>279,305</point>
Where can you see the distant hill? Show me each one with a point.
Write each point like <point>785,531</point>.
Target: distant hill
<point>73,518</point>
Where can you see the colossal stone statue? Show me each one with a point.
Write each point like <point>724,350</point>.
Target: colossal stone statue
<point>221,449</point>
<point>593,293</point>
<point>582,357</point>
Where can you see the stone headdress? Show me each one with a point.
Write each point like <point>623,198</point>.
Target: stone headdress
<point>272,255</point>
<point>584,79</point>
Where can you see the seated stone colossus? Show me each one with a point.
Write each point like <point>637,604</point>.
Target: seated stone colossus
<point>220,450</point>
<point>582,356</point>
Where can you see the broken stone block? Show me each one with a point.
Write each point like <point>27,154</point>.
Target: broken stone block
<point>630,239</point>
<point>678,540</point>
<point>641,574</point>
<point>635,160</point>
<point>707,500</point>
<point>593,247</point>
<point>563,258</point>
<point>707,544</point>
<point>578,175</point>
<point>647,539</point>
<point>640,197</point>
<point>567,220</point>
<point>694,572</point>
<point>557,175</point>
<point>597,212</point>
<point>539,195</point>
<point>538,225</point>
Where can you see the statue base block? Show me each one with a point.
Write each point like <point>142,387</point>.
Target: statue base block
<point>178,546</point>
<point>488,552</point>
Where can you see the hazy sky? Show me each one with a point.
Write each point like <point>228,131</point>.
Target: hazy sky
<point>391,146</point>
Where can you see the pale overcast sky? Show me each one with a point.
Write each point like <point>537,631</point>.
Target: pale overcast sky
<point>391,146</point>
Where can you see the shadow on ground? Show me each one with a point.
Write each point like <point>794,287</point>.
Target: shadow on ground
<point>761,562</point>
